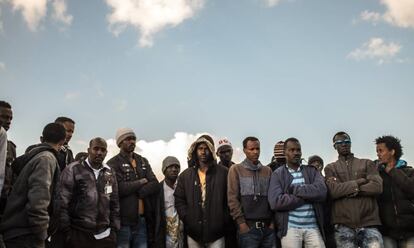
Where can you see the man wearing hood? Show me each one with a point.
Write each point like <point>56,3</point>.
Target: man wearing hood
<point>248,184</point>
<point>200,197</point>
<point>396,207</point>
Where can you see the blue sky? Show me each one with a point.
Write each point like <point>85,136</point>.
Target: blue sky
<point>272,69</point>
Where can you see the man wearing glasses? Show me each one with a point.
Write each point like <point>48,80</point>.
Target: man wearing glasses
<point>353,185</point>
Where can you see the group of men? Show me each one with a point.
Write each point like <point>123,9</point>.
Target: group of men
<point>50,199</point>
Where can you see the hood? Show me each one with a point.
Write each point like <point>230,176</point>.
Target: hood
<point>191,150</point>
<point>250,166</point>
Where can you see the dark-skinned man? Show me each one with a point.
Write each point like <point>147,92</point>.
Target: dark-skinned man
<point>65,153</point>
<point>200,197</point>
<point>137,187</point>
<point>296,194</point>
<point>29,214</point>
<point>354,184</point>
<point>225,152</point>
<point>248,184</point>
<point>89,214</point>
<point>169,230</point>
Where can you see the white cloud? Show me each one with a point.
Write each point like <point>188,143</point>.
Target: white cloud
<point>398,13</point>
<point>150,16</point>
<point>156,151</point>
<point>377,49</point>
<point>272,3</point>
<point>373,17</point>
<point>72,96</point>
<point>60,12</point>
<point>2,66</point>
<point>35,11</point>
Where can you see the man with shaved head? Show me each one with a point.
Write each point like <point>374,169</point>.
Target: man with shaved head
<point>90,206</point>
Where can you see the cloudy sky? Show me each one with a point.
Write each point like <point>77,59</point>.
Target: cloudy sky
<point>172,69</point>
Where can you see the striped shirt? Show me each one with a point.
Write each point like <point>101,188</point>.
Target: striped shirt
<point>303,216</point>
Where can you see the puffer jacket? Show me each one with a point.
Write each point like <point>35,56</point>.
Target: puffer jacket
<point>88,204</point>
<point>354,206</point>
<point>396,203</point>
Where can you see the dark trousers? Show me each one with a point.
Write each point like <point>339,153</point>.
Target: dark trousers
<point>81,239</point>
<point>25,241</point>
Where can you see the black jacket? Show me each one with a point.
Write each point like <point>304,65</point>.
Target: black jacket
<point>87,203</point>
<point>396,203</point>
<point>130,189</point>
<point>208,225</point>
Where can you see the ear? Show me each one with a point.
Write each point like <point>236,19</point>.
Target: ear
<point>393,152</point>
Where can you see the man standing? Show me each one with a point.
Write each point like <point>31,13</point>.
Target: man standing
<point>65,154</point>
<point>90,208</point>
<point>278,158</point>
<point>225,152</point>
<point>168,227</point>
<point>316,162</point>
<point>296,194</point>
<point>3,154</point>
<point>136,184</point>
<point>6,116</point>
<point>396,207</point>
<point>353,185</point>
<point>200,197</point>
<point>248,184</point>
<point>30,205</point>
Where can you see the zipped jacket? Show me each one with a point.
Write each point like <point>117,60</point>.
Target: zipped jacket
<point>87,203</point>
<point>396,203</point>
<point>283,198</point>
<point>354,206</point>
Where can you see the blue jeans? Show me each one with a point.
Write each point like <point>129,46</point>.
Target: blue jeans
<point>257,237</point>
<point>346,237</point>
<point>133,236</point>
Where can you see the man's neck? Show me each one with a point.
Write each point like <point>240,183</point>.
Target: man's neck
<point>170,182</point>
<point>94,165</point>
<point>293,166</point>
<point>56,147</point>
<point>203,166</point>
<point>127,154</point>
<point>226,163</point>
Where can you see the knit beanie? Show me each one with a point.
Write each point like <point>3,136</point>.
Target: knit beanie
<point>168,161</point>
<point>223,142</point>
<point>278,150</point>
<point>123,133</point>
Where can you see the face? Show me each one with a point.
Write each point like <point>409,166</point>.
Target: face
<point>6,116</point>
<point>385,155</point>
<point>171,173</point>
<point>97,152</point>
<point>252,151</point>
<point>317,164</point>
<point>128,144</point>
<point>225,153</point>
<point>342,144</point>
<point>293,153</point>
<point>203,153</point>
<point>70,128</point>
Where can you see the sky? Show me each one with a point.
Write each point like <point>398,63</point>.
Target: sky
<point>174,69</point>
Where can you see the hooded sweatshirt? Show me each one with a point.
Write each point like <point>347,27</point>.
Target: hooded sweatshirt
<point>247,191</point>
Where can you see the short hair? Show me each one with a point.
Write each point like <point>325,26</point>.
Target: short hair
<point>53,133</point>
<point>314,158</point>
<point>81,156</point>
<point>247,139</point>
<point>63,119</point>
<point>392,143</point>
<point>291,139</point>
<point>340,133</point>
<point>98,139</point>
<point>5,104</point>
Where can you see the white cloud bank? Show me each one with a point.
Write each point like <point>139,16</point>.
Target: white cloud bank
<point>156,151</point>
<point>376,49</point>
<point>150,16</point>
<point>35,11</point>
<point>398,13</point>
